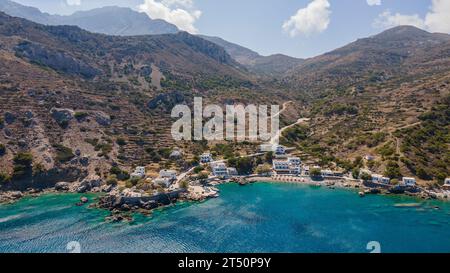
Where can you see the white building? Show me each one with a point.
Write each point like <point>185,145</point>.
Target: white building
<point>220,170</point>
<point>164,182</point>
<point>176,154</point>
<point>327,173</point>
<point>306,170</point>
<point>408,181</point>
<point>168,174</point>
<point>295,161</point>
<point>266,148</point>
<point>232,172</point>
<point>447,183</point>
<point>285,167</point>
<point>376,178</point>
<point>138,173</point>
<point>206,158</point>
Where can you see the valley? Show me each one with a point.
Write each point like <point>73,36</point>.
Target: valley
<point>83,107</point>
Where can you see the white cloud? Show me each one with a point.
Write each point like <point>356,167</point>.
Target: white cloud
<point>388,20</point>
<point>182,3</point>
<point>73,2</point>
<point>374,2</point>
<point>436,20</point>
<point>178,12</point>
<point>315,18</point>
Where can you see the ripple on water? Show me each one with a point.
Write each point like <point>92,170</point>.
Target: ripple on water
<point>262,217</point>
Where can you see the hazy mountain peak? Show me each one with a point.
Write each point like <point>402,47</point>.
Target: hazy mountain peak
<point>111,20</point>
<point>406,32</point>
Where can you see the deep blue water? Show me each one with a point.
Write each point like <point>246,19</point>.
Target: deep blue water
<point>262,217</point>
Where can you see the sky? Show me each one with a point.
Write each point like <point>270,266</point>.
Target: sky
<point>299,28</point>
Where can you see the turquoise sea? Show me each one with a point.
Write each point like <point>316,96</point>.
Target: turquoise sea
<point>262,217</point>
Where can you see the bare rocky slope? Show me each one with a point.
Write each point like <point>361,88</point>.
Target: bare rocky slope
<point>81,102</point>
<point>383,96</point>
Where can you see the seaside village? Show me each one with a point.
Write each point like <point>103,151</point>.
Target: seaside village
<point>199,182</point>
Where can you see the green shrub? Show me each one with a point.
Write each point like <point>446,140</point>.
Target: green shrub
<point>63,154</point>
<point>105,148</point>
<point>202,176</point>
<point>92,141</point>
<point>111,180</point>
<point>4,178</point>
<point>392,170</point>
<point>38,169</point>
<point>120,174</point>
<point>25,159</point>
<point>134,181</point>
<point>386,150</point>
<point>22,164</point>
<point>81,115</point>
<point>366,177</point>
<point>184,184</point>
<point>121,142</point>
<point>315,173</point>
<point>2,149</point>
<point>198,169</point>
<point>355,173</point>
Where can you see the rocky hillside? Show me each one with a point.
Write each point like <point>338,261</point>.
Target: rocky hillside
<point>76,103</point>
<point>272,66</point>
<point>362,95</point>
<point>107,20</point>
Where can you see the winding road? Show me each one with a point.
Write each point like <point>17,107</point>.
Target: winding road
<point>274,140</point>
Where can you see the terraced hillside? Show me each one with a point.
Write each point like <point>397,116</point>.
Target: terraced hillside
<point>363,98</point>
<point>84,102</point>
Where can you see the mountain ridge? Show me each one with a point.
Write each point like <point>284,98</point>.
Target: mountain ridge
<point>110,20</point>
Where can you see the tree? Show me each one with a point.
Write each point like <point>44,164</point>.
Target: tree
<point>244,165</point>
<point>4,178</point>
<point>269,157</point>
<point>63,154</point>
<point>25,159</point>
<point>358,162</point>
<point>315,172</point>
<point>184,184</point>
<point>121,141</point>
<point>366,176</point>
<point>22,164</point>
<point>392,170</point>
<point>38,169</point>
<point>263,169</point>
<point>120,174</point>
<point>355,173</point>
<point>198,169</point>
<point>111,180</point>
<point>2,149</point>
<point>422,174</point>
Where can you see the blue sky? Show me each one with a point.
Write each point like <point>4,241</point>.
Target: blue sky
<point>268,26</point>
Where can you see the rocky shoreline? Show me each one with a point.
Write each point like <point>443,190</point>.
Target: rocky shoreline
<point>364,189</point>
<point>122,204</point>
